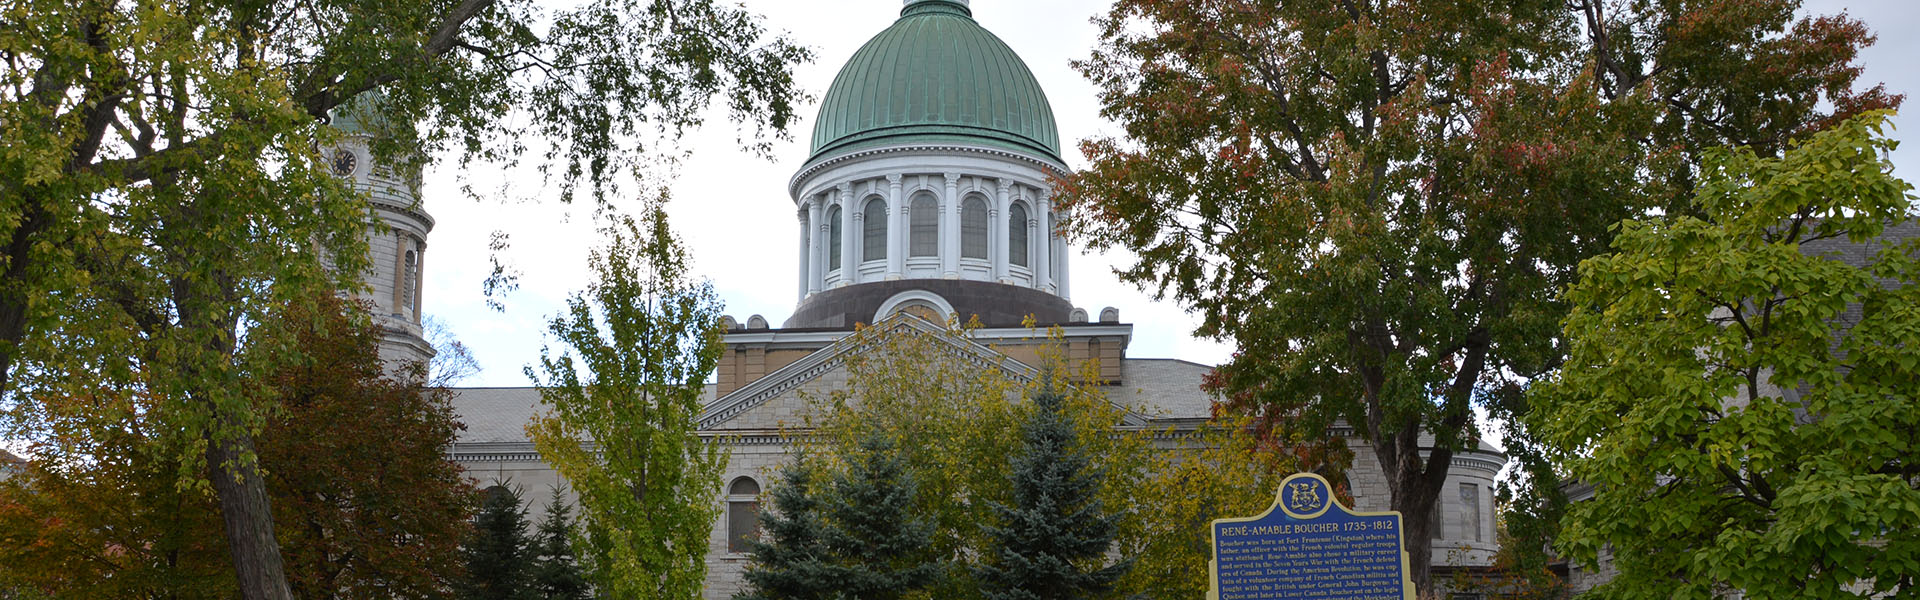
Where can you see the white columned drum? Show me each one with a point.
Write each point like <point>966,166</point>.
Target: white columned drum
<point>946,113</point>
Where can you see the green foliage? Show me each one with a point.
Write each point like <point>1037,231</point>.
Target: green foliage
<point>946,406</point>
<point>1052,541</point>
<point>791,560</point>
<point>1741,396</point>
<point>1379,201</point>
<point>621,431</point>
<point>359,516</point>
<point>556,575</point>
<point>162,180</point>
<point>877,540</point>
<point>497,554</point>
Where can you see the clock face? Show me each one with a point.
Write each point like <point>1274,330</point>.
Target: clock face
<point>343,162</point>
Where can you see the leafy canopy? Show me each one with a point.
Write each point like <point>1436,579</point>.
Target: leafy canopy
<point>1378,200</point>
<point>620,403</point>
<point>363,516</point>
<point>1740,387</point>
<point>946,405</point>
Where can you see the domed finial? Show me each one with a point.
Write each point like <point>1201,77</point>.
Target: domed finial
<point>959,6</point>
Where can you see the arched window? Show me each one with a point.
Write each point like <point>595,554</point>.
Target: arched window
<point>1470,510</point>
<point>925,233</point>
<point>1017,235</point>
<point>973,228</point>
<point>833,238</point>
<point>410,276</point>
<point>873,243</point>
<point>743,514</point>
<point>499,497</point>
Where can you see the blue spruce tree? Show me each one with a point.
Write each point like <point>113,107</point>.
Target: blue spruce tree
<point>790,560</point>
<point>496,553</point>
<point>1051,543</point>
<point>878,544</point>
<point>556,575</point>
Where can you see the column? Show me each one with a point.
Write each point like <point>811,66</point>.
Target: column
<point>849,237</point>
<point>419,281</point>
<point>1037,238</point>
<point>896,230</point>
<point>997,231</point>
<point>950,243</point>
<point>816,245</point>
<point>1060,268</point>
<point>806,254</point>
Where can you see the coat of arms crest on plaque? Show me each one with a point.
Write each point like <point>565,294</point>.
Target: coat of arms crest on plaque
<point>1304,496</point>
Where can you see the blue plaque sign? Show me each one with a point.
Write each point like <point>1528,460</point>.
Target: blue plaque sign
<point>1309,546</point>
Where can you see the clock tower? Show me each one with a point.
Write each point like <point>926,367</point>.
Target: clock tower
<point>396,238</point>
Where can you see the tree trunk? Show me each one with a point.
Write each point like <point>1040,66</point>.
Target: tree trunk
<point>1414,485</point>
<point>248,515</point>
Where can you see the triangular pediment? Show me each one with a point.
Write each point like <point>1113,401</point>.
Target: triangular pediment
<point>776,398</point>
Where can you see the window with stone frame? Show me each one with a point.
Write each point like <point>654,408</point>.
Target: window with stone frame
<point>1470,511</point>
<point>873,234</point>
<point>410,275</point>
<point>743,514</point>
<point>833,238</point>
<point>924,235</point>
<point>1435,524</point>
<point>1017,235</point>
<point>973,227</point>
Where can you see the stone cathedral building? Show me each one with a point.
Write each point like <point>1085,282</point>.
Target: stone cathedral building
<point>925,193</point>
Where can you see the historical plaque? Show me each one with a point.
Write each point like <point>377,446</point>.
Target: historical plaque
<point>1308,546</point>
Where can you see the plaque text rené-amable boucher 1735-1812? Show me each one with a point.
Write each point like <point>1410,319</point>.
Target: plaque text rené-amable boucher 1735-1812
<point>1307,546</point>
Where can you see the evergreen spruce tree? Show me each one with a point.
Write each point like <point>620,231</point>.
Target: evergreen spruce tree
<point>496,553</point>
<point>1050,543</point>
<point>791,561</point>
<point>878,543</point>
<point>556,576</point>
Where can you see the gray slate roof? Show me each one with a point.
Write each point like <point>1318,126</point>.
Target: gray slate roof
<point>1163,388</point>
<point>500,415</point>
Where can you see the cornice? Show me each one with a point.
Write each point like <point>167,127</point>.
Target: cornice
<point>810,169</point>
<point>410,211</point>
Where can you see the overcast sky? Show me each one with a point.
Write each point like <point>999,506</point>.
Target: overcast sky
<point>734,211</point>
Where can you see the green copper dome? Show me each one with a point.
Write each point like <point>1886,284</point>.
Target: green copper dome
<point>936,76</point>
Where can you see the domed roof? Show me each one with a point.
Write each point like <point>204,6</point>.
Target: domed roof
<point>936,76</point>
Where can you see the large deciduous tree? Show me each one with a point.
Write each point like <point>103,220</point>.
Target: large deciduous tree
<point>360,516</point>
<point>1740,389</point>
<point>161,182</point>
<point>620,403</point>
<point>1377,201</point>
